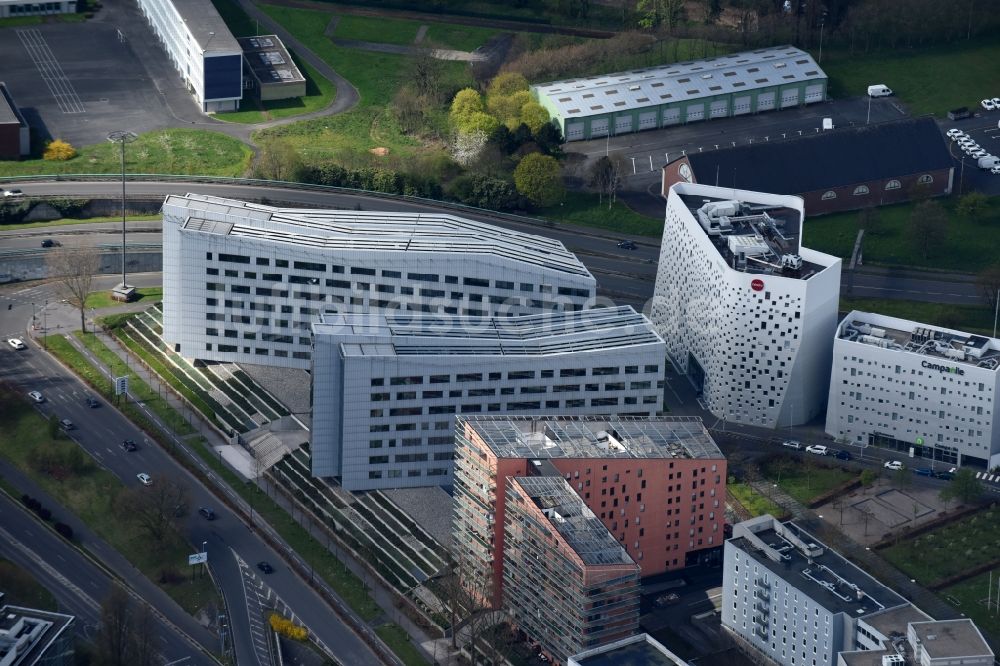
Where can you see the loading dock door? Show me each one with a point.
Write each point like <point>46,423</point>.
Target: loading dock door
<point>765,101</point>
<point>647,120</point>
<point>695,112</point>
<point>598,127</point>
<point>623,124</point>
<point>574,131</point>
<point>720,108</point>
<point>814,93</point>
<point>671,116</point>
<point>789,97</point>
<point>741,105</point>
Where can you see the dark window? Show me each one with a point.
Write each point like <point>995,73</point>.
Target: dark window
<point>424,277</point>
<point>234,258</point>
<point>475,282</point>
<point>338,284</point>
<point>392,274</point>
<point>309,266</point>
<point>356,270</point>
<point>261,261</point>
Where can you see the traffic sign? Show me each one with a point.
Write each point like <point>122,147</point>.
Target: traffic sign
<point>121,385</point>
<point>198,558</point>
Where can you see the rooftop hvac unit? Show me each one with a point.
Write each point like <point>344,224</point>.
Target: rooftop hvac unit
<point>957,354</point>
<point>791,262</point>
<point>878,342</point>
<point>878,332</point>
<point>893,660</point>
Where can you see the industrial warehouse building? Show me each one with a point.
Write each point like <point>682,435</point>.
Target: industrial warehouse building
<point>13,8</point>
<point>909,386</point>
<point>684,92</point>
<point>203,51</point>
<point>746,311</point>
<point>843,169</point>
<point>243,282</point>
<point>386,387</point>
<point>273,74</point>
<point>15,134</point>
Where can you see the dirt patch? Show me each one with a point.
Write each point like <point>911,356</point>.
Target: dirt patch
<point>381,151</point>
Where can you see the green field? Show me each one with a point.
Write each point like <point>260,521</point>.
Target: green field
<point>960,317</point>
<point>949,549</point>
<point>21,589</point>
<point>399,642</point>
<point>971,244</point>
<point>91,493</point>
<point>932,81</point>
<point>170,151</point>
<point>319,95</point>
<point>376,29</point>
<point>753,501</point>
<point>583,209</point>
<point>102,299</point>
<point>802,479</point>
<point>971,596</point>
<point>458,37</point>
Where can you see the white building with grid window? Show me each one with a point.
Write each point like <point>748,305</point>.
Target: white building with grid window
<point>243,282</point>
<point>747,313</point>
<point>386,387</point>
<point>793,600</point>
<point>906,385</point>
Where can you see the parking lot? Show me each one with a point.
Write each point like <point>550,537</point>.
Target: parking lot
<point>78,81</point>
<point>984,129</point>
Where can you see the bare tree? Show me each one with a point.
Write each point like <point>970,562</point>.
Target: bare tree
<point>989,283</point>
<point>127,634</point>
<point>278,160</point>
<point>157,508</point>
<point>75,269</point>
<point>929,226</point>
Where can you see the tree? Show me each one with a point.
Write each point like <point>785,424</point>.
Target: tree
<point>466,146</point>
<point>534,116</point>
<point>929,226</point>
<point>964,487</point>
<point>58,150</point>
<point>75,269</point>
<point>902,478</point>
<point>278,160</point>
<point>506,84</point>
<point>989,283</point>
<point>973,204</point>
<point>465,102</point>
<point>408,107</point>
<point>157,508</point>
<point>602,175</point>
<point>655,13</point>
<point>868,478</point>
<point>537,177</point>
<point>127,633</point>
<point>477,122</point>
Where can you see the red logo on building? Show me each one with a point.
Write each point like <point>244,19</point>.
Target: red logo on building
<point>757,284</point>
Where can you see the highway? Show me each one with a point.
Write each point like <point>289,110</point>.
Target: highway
<point>625,276</point>
<point>101,430</point>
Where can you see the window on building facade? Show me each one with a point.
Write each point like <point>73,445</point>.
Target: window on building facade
<point>926,179</point>
<point>830,194</point>
<point>860,190</point>
<point>893,185</point>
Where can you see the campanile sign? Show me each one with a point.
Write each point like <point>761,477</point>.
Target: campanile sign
<point>757,284</point>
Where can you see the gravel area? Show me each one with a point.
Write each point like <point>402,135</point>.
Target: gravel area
<point>290,386</point>
<point>429,507</point>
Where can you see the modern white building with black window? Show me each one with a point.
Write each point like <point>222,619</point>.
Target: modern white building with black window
<point>914,387</point>
<point>204,52</point>
<point>386,387</point>
<point>746,311</point>
<point>243,282</point>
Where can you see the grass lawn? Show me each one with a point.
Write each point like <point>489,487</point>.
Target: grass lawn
<point>458,37</point>
<point>971,597</point>
<point>400,643</point>
<point>91,493</point>
<point>21,589</point>
<point>583,209</point>
<point>66,221</point>
<point>961,317</point>
<point>803,479</point>
<point>319,94</point>
<point>102,299</point>
<point>170,151</point>
<point>376,29</point>
<point>971,245</point>
<point>949,549</point>
<point>753,501</point>
<point>933,80</point>
<point>377,76</point>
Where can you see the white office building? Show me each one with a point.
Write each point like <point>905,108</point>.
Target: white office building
<point>789,597</point>
<point>387,387</point>
<point>909,386</point>
<point>244,282</point>
<point>204,52</point>
<point>745,310</point>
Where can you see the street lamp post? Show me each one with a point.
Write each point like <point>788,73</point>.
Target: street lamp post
<point>122,137</point>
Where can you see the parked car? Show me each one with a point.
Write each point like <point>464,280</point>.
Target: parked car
<point>995,170</point>
<point>17,343</point>
<point>129,446</point>
<point>792,444</point>
<point>36,396</point>
<point>996,102</point>
<point>947,475</point>
<point>976,154</point>
<point>627,245</point>
<point>265,567</point>
<point>92,402</point>
<point>894,465</point>
<point>144,479</point>
<point>843,455</point>
<point>923,471</point>
<point>818,449</point>
<point>208,513</point>
<point>988,104</point>
<point>667,599</point>
<point>66,424</point>
<point>955,132</point>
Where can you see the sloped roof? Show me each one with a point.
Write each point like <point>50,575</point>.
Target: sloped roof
<point>829,159</point>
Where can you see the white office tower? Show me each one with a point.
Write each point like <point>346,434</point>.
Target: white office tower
<point>243,282</point>
<point>745,310</point>
<point>386,387</point>
<point>905,385</point>
<point>788,598</point>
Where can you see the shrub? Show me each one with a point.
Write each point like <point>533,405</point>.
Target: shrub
<point>59,151</point>
<point>65,531</point>
<point>44,513</point>
<point>287,628</point>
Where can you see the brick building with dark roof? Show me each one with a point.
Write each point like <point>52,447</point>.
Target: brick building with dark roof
<point>15,135</point>
<point>835,170</point>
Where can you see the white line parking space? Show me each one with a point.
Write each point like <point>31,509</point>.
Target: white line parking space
<point>50,71</point>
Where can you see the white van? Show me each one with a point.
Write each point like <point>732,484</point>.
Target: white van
<point>879,90</point>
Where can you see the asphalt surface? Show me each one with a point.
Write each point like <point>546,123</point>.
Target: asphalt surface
<point>625,277</point>
<point>101,430</point>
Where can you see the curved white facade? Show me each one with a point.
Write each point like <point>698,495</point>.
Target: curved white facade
<point>756,338</point>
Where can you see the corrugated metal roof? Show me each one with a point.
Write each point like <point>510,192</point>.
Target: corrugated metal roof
<point>679,82</point>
